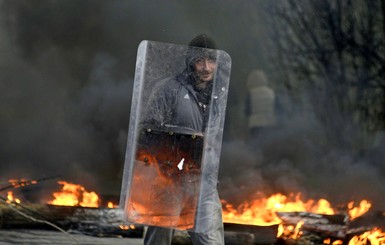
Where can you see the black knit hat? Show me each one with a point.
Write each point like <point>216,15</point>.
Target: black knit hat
<point>203,41</point>
<point>200,47</point>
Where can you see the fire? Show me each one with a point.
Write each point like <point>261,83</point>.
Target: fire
<point>127,227</point>
<point>11,198</point>
<point>293,232</point>
<point>169,173</point>
<point>74,195</point>
<point>22,182</point>
<point>16,183</point>
<point>297,230</point>
<point>355,212</point>
<point>262,211</point>
<point>337,242</point>
<point>373,237</point>
<point>111,205</point>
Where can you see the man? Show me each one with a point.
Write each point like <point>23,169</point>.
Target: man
<point>260,104</point>
<point>182,104</point>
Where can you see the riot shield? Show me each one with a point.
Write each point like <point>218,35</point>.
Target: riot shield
<point>174,140</point>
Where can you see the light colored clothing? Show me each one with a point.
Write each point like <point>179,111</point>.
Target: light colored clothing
<point>261,101</point>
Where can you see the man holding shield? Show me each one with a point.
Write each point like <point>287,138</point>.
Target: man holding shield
<point>178,150</point>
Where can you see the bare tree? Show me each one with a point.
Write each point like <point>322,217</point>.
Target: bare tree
<point>333,51</point>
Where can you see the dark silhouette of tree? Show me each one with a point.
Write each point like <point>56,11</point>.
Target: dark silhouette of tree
<point>334,52</point>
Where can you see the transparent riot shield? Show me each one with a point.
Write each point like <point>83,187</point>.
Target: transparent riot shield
<point>174,140</point>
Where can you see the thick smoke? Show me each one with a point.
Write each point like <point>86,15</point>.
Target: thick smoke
<point>297,157</point>
<point>65,91</point>
<point>55,118</point>
<point>66,80</point>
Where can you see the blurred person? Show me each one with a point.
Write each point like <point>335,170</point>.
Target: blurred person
<point>260,104</point>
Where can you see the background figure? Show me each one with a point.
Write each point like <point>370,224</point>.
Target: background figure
<point>260,104</point>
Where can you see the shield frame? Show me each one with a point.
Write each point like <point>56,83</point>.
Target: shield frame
<point>150,62</point>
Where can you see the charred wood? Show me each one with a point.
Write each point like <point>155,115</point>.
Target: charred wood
<point>237,234</point>
<point>240,238</point>
<point>23,183</point>
<point>90,221</point>
<point>333,226</point>
<point>250,234</point>
<point>105,230</point>
<point>371,219</point>
<point>312,218</point>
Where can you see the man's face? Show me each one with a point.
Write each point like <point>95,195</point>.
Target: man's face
<point>204,69</point>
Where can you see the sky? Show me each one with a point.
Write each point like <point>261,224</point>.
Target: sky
<point>67,71</point>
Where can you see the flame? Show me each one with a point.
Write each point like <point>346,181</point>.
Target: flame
<point>175,206</point>
<point>74,195</point>
<point>373,237</point>
<point>355,212</point>
<point>262,211</point>
<point>21,182</point>
<point>127,227</point>
<point>297,230</point>
<point>257,212</point>
<point>290,231</point>
<point>336,242</point>
<point>124,227</point>
<point>11,198</point>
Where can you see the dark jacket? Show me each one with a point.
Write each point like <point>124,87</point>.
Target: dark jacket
<point>175,105</point>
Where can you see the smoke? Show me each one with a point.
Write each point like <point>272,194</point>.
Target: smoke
<point>65,91</point>
<point>66,81</point>
<point>49,129</point>
<point>59,117</point>
<point>66,84</point>
<point>297,157</point>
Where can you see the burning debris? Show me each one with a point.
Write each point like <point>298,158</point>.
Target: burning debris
<point>303,221</point>
<point>16,183</point>
<point>75,195</point>
<point>11,198</point>
<point>73,209</point>
<point>278,219</point>
<point>373,237</point>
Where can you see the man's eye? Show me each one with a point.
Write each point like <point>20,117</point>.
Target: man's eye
<point>203,61</point>
<point>200,62</point>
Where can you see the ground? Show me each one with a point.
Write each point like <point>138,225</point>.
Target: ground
<point>41,237</point>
